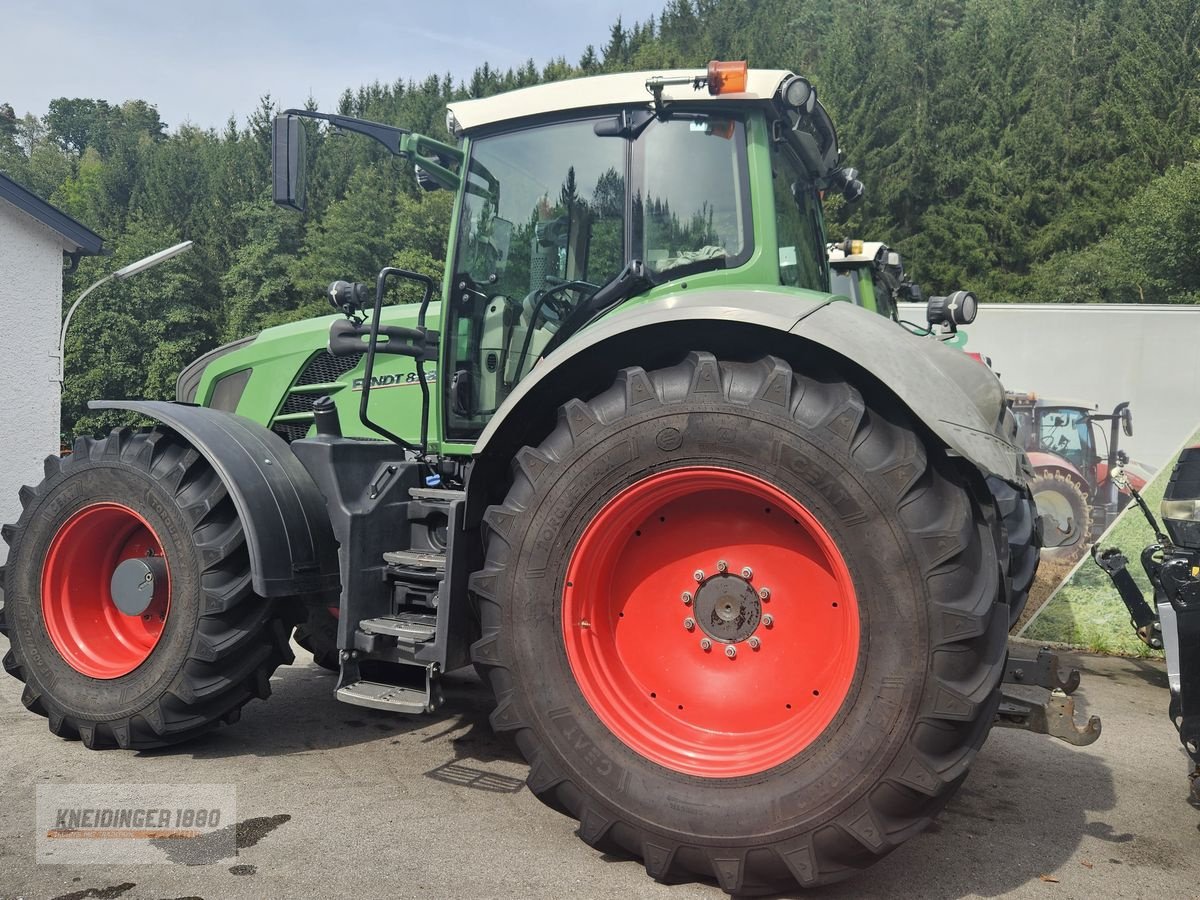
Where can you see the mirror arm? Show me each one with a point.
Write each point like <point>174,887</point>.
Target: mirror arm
<point>426,153</point>
<point>388,135</point>
<point>417,148</point>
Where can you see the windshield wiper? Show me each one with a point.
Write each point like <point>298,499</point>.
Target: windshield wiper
<point>629,282</point>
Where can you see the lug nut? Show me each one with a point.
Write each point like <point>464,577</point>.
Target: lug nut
<point>705,644</point>
<point>764,593</point>
<point>768,620</point>
<point>754,642</point>
<point>687,598</point>
<point>698,574</point>
<point>747,572</point>
<point>689,623</point>
<point>722,565</point>
<point>730,651</point>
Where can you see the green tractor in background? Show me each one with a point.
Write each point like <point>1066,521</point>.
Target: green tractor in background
<point>737,559</point>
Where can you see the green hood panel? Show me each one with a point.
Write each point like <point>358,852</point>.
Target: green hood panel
<point>294,357</point>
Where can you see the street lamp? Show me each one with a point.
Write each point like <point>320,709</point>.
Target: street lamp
<point>120,275</point>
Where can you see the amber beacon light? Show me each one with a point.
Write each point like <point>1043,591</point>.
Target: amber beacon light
<point>726,77</point>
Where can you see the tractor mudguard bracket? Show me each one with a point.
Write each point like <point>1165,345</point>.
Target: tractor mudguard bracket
<point>288,534</point>
<point>1041,670</point>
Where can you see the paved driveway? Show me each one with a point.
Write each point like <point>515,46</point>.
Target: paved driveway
<point>339,801</point>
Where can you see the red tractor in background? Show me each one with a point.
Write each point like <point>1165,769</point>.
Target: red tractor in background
<point>1072,488</point>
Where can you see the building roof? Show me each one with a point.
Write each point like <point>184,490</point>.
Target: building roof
<point>601,90</point>
<point>77,238</point>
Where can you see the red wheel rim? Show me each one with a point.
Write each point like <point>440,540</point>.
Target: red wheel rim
<point>87,629</point>
<point>645,673</point>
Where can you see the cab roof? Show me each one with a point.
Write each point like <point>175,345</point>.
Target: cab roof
<point>624,89</point>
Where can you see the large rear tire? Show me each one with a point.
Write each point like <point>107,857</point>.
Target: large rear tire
<point>799,758</point>
<point>203,647</point>
<point>1020,542</point>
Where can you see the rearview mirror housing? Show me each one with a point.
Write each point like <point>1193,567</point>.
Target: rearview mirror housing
<point>288,161</point>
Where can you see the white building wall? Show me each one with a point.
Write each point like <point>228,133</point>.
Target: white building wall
<point>31,267</point>
<point>1100,353</point>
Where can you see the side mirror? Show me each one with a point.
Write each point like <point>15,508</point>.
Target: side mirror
<point>1127,421</point>
<point>288,161</point>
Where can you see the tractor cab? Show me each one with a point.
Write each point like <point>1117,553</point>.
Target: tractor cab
<point>872,275</point>
<point>1073,448</point>
<point>1074,432</point>
<point>583,197</point>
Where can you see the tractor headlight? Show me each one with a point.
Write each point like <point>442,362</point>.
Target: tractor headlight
<point>1181,501</point>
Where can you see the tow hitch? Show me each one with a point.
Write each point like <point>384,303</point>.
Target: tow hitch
<point>1024,705</point>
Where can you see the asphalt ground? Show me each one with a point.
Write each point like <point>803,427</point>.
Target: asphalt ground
<point>341,801</point>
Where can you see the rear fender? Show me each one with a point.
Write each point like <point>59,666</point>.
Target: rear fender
<point>288,534</point>
<point>960,401</point>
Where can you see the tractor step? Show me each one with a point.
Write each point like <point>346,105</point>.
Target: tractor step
<point>412,559</point>
<point>389,696</point>
<point>436,495</point>
<point>408,626</point>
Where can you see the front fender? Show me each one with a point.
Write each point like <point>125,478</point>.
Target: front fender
<point>288,535</point>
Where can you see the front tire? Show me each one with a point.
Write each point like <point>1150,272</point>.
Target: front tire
<point>855,717</point>
<point>1064,509</point>
<point>190,660</point>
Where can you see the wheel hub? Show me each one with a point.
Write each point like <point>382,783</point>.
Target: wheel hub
<point>727,608</point>
<point>136,583</point>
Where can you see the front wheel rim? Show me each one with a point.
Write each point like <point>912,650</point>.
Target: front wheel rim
<point>82,620</point>
<point>1057,507</point>
<point>710,622</point>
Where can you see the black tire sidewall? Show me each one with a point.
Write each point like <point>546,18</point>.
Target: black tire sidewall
<point>81,484</point>
<point>853,753</point>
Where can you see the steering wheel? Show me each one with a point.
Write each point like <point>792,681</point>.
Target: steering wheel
<point>550,299</point>
<point>1052,446</point>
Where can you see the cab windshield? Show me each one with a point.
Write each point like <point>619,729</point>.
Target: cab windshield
<point>552,214</point>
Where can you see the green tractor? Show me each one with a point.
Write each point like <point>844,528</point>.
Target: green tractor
<point>737,558</point>
<point>871,274</point>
